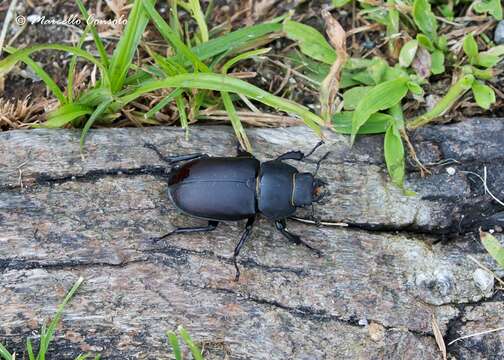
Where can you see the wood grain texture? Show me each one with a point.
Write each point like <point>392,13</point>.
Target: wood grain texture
<point>372,294</point>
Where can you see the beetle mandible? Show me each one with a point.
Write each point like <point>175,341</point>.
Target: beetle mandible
<point>237,188</point>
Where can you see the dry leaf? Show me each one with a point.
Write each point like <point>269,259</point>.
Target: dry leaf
<point>330,85</point>
<point>439,337</point>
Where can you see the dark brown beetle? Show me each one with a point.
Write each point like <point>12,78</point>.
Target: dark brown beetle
<point>237,188</point>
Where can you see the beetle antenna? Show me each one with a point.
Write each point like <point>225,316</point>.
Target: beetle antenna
<point>320,161</point>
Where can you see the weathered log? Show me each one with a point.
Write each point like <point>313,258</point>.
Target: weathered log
<point>401,260</point>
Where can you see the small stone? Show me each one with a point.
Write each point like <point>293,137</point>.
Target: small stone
<point>499,33</point>
<point>450,170</point>
<point>363,322</point>
<point>484,280</point>
<point>376,331</point>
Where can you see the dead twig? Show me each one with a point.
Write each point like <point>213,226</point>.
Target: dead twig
<point>476,334</point>
<point>484,180</point>
<point>439,337</point>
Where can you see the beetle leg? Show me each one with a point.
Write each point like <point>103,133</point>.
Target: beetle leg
<point>212,225</point>
<point>281,226</point>
<point>174,159</point>
<point>244,237</point>
<point>299,155</point>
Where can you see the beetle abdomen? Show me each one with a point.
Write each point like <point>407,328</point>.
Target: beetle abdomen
<point>216,188</point>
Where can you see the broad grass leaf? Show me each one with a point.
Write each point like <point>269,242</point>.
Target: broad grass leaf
<point>394,155</point>
<point>425,19</point>
<point>376,124</point>
<point>471,48</point>
<point>65,114</point>
<point>353,96</point>
<point>491,57</point>
<point>408,53</point>
<point>493,247</point>
<point>381,97</point>
<point>311,42</point>
<point>233,41</point>
<point>493,7</point>
<point>94,97</point>
<point>315,70</point>
<point>438,60</point>
<point>415,88</point>
<point>483,94</point>
<point>425,42</point>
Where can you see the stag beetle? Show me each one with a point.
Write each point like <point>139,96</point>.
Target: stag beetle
<point>237,188</point>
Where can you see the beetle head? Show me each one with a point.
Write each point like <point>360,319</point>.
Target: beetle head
<point>307,189</point>
<point>319,190</point>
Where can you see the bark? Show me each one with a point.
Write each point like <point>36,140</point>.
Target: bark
<point>401,259</point>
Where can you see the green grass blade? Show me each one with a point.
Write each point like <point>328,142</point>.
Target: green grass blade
<point>172,338</point>
<point>29,349</point>
<point>94,116</point>
<point>127,46</point>
<point>179,100</point>
<point>221,83</point>
<point>8,63</point>
<point>65,114</point>
<point>174,20</point>
<point>160,105</point>
<point>46,336</point>
<point>223,44</point>
<point>96,37</point>
<point>168,65</point>
<point>376,124</point>
<point>171,36</point>
<point>493,246</point>
<point>375,101</point>
<point>46,78</point>
<point>194,8</point>
<point>228,103</point>
<point>196,353</point>
<point>243,56</point>
<point>4,353</point>
<point>234,40</point>
<point>73,64</point>
<point>94,97</point>
<point>394,155</point>
<point>43,75</point>
<point>235,121</point>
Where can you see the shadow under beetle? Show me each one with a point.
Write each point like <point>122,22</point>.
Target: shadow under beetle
<point>237,188</point>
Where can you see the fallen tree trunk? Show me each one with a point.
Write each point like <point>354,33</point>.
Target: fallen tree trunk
<point>401,260</point>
